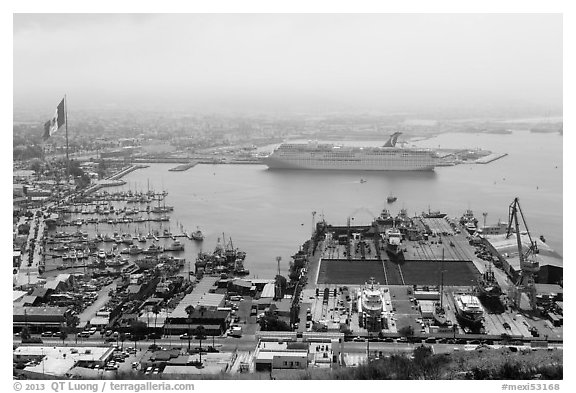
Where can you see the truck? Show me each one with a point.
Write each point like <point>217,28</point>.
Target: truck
<point>236,331</point>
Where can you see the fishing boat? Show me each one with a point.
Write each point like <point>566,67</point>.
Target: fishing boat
<point>433,214</point>
<point>142,239</point>
<point>107,238</point>
<point>134,250</point>
<point>127,239</point>
<point>117,262</point>
<point>152,249</point>
<point>175,246</point>
<point>239,269</point>
<point>391,199</point>
<point>439,314</point>
<point>101,254</point>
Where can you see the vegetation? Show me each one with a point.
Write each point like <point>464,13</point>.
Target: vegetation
<point>491,364</point>
<point>268,323</point>
<point>281,283</point>
<point>200,334</point>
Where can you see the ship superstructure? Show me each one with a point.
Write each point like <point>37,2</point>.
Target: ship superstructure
<point>324,156</point>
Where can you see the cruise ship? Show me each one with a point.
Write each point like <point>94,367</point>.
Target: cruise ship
<point>314,155</point>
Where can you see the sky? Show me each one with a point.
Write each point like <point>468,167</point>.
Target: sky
<point>258,62</point>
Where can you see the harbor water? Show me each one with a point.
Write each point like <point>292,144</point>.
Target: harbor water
<point>270,213</point>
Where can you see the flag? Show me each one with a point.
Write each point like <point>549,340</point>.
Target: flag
<point>52,125</point>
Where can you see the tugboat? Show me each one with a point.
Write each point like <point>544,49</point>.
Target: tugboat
<point>197,235</point>
<point>469,221</point>
<point>488,287</point>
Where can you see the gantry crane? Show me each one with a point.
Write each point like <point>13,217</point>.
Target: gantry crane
<point>529,266</point>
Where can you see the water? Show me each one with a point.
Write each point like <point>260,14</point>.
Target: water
<point>269,213</point>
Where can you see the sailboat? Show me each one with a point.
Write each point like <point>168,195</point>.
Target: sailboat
<point>439,314</point>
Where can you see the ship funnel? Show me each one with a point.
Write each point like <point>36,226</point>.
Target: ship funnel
<point>392,141</point>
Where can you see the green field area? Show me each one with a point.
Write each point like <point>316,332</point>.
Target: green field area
<point>350,272</point>
<point>456,273</point>
<point>341,271</point>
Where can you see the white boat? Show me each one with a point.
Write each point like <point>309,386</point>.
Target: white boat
<point>370,306</point>
<point>393,240</point>
<point>323,156</point>
<point>175,246</point>
<point>134,250</point>
<point>468,309</point>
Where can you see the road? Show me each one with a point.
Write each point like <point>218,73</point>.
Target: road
<point>249,342</point>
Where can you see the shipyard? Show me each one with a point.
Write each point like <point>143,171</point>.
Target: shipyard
<point>109,270</point>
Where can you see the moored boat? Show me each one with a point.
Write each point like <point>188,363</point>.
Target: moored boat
<point>175,246</point>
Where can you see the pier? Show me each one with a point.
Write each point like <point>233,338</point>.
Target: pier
<point>184,167</point>
<point>490,158</point>
<point>126,171</point>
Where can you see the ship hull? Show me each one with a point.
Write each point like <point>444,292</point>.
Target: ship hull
<point>350,165</point>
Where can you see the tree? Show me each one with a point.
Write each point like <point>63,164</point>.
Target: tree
<point>102,167</point>
<point>189,310</point>
<point>72,322</point>
<point>268,323</point>
<point>281,285</point>
<point>36,166</point>
<point>63,335</point>
<point>138,330</point>
<point>156,310</point>
<point>406,331</point>
<point>122,339</point>
<point>25,333</point>
<point>200,333</point>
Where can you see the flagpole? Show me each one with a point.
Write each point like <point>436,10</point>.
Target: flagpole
<point>66,121</point>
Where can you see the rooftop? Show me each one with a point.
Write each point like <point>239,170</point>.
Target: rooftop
<point>59,360</point>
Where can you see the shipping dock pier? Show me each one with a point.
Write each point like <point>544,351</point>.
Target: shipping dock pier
<point>430,281</point>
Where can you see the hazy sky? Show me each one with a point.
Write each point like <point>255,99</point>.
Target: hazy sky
<point>287,60</point>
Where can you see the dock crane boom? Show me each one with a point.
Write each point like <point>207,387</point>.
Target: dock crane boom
<point>528,264</point>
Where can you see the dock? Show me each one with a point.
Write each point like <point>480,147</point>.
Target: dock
<point>490,157</point>
<point>184,167</point>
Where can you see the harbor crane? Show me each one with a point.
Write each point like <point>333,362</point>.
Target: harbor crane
<point>529,266</point>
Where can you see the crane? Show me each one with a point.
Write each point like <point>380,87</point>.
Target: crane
<point>528,264</point>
